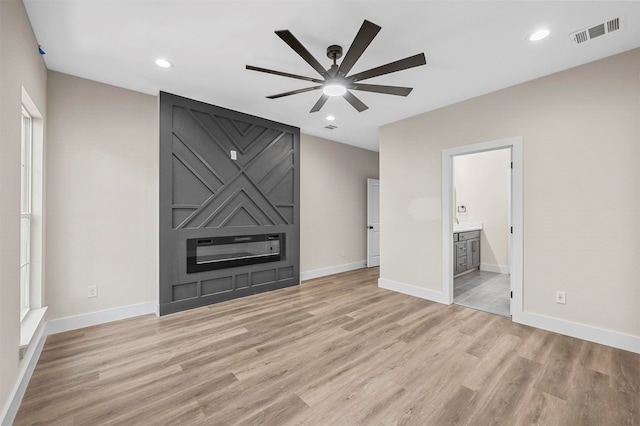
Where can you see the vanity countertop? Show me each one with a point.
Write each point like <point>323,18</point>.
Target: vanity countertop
<point>466,226</point>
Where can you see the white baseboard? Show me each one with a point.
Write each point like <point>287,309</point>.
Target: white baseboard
<point>323,272</point>
<point>100,317</point>
<point>28,365</point>
<point>423,293</point>
<point>614,339</point>
<point>494,268</point>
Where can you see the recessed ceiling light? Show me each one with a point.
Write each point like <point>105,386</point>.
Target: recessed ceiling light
<point>163,63</point>
<point>539,35</point>
<point>330,117</point>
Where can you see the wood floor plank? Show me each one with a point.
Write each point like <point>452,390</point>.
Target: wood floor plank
<point>487,337</point>
<point>336,350</point>
<point>537,346</point>
<point>586,405</point>
<point>539,408</point>
<point>278,413</point>
<point>493,364</point>
<point>597,358</point>
<point>180,405</point>
<point>624,391</point>
<point>326,386</point>
<point>506,397</point>
<point>458,409</point>
<point>355,398</point>
<point>563,360</point>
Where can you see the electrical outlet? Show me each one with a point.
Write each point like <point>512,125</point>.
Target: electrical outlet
<point>342,252</point>
<point>92,291</point>
<point>561,297</point>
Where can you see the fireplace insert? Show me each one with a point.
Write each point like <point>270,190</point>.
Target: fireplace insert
<point>206,254</point>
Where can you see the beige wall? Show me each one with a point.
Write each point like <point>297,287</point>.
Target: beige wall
<point>103,145</point>
<point>102,193</point>
<point>482,184</point>
<point>581,131</point>
<point>333,202</point>
<point>20,65</point>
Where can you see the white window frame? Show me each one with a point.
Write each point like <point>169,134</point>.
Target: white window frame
<point>26,190</point>
<point>32,226</point>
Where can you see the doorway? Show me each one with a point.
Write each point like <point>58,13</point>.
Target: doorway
<point>454,208</point>
<point>373,222</point>
<point>481,214</point>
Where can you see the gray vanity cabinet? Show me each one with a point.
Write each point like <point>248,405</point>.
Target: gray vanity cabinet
<point>466,254</point>
<point>473,253</point>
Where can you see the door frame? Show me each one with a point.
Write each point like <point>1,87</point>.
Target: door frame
<point>370,185</point>
<point>515,248</point>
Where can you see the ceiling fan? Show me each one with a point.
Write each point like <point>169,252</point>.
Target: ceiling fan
<point>335,80</point>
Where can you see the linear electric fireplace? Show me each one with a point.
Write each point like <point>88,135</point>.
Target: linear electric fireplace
<point>207,254</point>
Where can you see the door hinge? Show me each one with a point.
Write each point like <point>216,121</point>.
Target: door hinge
<point>512,295</point>
<point>512,229</point>
<point>512,164</point>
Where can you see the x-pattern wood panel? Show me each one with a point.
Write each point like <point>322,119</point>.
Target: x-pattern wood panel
<point>244,186</point>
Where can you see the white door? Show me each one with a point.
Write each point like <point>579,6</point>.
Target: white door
<point>373,222</point>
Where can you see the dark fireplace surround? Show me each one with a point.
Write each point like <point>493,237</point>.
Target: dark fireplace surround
<point>229,204</point>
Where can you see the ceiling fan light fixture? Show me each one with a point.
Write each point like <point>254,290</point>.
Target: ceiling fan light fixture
<point>336,80</point>
<point>334,89</point>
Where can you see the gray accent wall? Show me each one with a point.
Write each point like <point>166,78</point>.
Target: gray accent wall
<point>204,193</point>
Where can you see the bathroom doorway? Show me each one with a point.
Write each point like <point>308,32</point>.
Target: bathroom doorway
<point>481,212</point>
<point>482,205</point>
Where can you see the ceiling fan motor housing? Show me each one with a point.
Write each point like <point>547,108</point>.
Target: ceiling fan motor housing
<point>334,52</point>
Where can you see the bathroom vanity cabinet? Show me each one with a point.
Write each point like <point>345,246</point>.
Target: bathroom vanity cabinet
<point>466,251</point>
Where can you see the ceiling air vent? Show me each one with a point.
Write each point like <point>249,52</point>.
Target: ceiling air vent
<point>330,127</point>
<point>587,34</point>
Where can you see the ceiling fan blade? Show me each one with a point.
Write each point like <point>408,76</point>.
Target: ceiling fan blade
<point>402,64</point>
<point>294,92</point>
<point>283,74</point>
<point>355,102</point>
<point>363,39</point>
<point>318,105</point>
<point>387,90</point>
<point>293,42</point>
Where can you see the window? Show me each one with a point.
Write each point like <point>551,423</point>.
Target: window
<point>32,309</point>
<point>25,212</point>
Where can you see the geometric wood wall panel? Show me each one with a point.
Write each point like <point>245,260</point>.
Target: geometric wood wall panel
<point>204,192</point>
<point>208,180</point>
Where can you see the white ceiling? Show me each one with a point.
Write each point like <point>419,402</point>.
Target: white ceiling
<point>472,48</point>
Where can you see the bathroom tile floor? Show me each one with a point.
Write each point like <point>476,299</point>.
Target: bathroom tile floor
<point>482,290</point>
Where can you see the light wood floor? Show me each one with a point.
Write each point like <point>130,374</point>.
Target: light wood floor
<point>335,351</point>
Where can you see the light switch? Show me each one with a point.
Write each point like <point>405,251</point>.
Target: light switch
<point>234,155</point>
